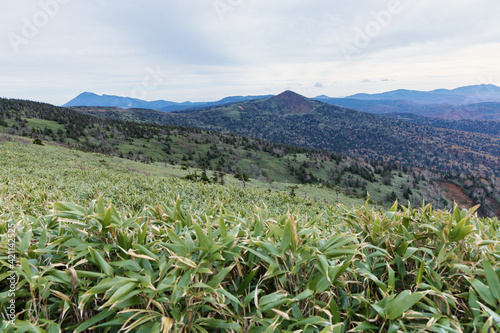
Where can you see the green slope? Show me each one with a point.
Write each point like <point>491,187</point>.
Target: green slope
<point>319,175</point>
<point>169,255</point>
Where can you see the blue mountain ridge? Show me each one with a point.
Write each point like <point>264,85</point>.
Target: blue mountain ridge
<point>470,102</point>
<point>91,99</point>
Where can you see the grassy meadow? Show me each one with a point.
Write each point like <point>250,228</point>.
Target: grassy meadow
<point>104,244</point>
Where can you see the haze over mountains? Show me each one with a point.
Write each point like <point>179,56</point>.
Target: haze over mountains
<point>479,111</point>
<point>91,99</point>
<point>460,96</point>
<point>480,102</point>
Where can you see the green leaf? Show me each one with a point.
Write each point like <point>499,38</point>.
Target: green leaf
<point>219,323</point>
<point>261,255</point>
<point>100,206</point>
<point>53,327</point>
<point>68,210</point>
<point>483,291</point>
<point>94,320</point>
<point>409,252</point>
<point>146,251</point>
<point>230,296</point>
<point>271,298</point>
<point>456,214</point>
<point>494,317</point>
<point>474,303</point>
<point>203,240</point>
<point>42,241</point>
<point>402,303</point>
<point>323,266</point>
<point>107,284</point>
<point>24,326</point>
<point>174,238</point>
<point>120,294</point>
<point>365,326</point>
<point>303,295</point>
<point>129,265</point>
<point>222,225</point>
<point>111,217</point>
<point>391,283</point>
<point>246,282</point>
<point>141,238</point>
<point>289,236</point>
<point>393,328</point>
<point>216,280</point>
<point>269,248</point>
<point>394,207</point>
<point>25,243</point>
<point>492,279</point>
<point>420,273</point>
<point>100,262</point>
<point>461,230</point>
<point>27,268</point>
<point>311,321</point>
<point>87,274</point>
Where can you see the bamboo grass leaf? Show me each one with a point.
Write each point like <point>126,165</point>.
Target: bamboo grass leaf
<point>402,303</point>
<point>203,240</point>
<point>25,242</point>
<point>492,279</point>
<point>216,280</point>
<point>144,250</point>
<point>100,262</point>
<point>483,292</point>
<point>68,210</point>
<point>94,320</point>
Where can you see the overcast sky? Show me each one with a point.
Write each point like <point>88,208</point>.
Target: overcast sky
<point>203,50</point>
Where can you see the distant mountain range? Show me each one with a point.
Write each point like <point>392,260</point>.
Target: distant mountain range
<point>480,102</point>
<point>460,96</point>
<point>91,99</point>
<point>479,111</point>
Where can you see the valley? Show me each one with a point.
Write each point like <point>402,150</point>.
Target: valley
<point>320,152</point>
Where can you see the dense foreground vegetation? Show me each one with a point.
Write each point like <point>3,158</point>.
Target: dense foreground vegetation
<point>109,244</point>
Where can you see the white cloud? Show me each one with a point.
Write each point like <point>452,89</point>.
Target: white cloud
<point>254,47</point>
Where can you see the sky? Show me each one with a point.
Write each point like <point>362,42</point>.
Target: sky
<point>204,50</point>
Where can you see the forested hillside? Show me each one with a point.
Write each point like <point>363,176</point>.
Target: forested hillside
<point>474,126</point>
<point>295,120</point>
<point>228,155</point>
